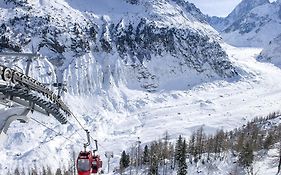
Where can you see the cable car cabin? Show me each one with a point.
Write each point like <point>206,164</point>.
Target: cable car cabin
<point>87,163</point>
<point>96,164</point>
<point>84,163</point>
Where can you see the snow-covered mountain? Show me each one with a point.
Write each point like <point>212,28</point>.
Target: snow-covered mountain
<point>242,9</point>
<point>103,48</point>
<point>133,68</point>
<point>134,37</point>
<point>251,23</point>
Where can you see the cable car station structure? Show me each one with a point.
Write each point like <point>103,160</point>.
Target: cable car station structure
<point>26,94</point>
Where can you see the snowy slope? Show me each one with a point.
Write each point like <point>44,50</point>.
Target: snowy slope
<point>272,52</point>
<point>136,113</point>
<point>121,88</point>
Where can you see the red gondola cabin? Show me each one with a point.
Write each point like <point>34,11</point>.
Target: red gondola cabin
<point>84,163</point>
<point>96,164</point>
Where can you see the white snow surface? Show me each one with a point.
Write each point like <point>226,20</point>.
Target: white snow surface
<point>272,53</point>
<point>117,116</point>
<point>117,113</point>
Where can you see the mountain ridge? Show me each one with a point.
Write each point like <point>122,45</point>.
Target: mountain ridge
<point>253,24</point>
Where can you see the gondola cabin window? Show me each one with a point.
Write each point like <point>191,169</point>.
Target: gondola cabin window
<point>83,165</point>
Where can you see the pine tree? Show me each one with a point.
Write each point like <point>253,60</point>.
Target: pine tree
<point>246,156</point>
<point>34,172</point>
<point>191,147</point>
<point>155,157</point>
<point>240,141</point>
<point>182,168</point>
<point>49,171</point>
<point>209,147</point>
<point>66,172</point>
<point>22,171</point>
<point>124,161</point>
<point>268,141</point>
<point>146,155</point>
<point>17,172</point>
<point>279,164</point>
<point>44,172</point>
<point>255,136</point>
<point>178,150</point>
<point>172,155</point>
<point>199,142</point>
<point>220,140</point>
<point>165,146</point>
<point>58,172</point>
<point>153,170</point>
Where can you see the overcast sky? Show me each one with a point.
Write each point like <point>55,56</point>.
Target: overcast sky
<point>216,7</point>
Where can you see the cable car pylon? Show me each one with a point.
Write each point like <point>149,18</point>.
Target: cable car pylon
<point>87,162</point>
